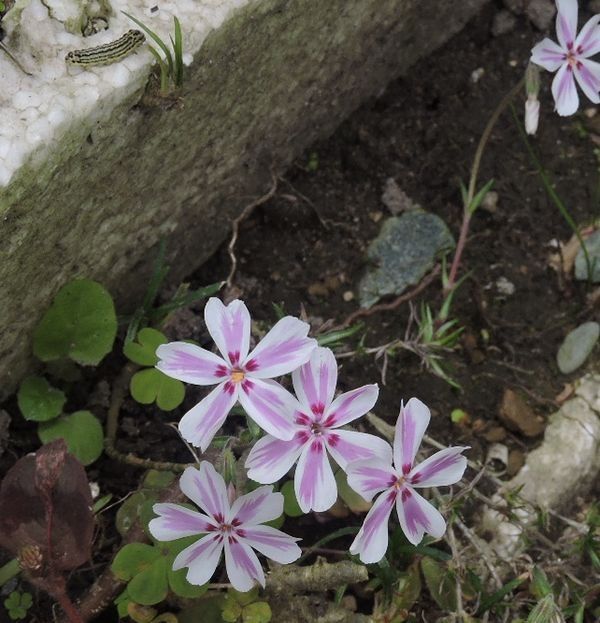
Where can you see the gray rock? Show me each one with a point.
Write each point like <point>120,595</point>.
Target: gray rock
<point>504,22</point>
<point>577,347</point>
<point>541,13</point>
<point>404,251</point>
<point>592,244</point>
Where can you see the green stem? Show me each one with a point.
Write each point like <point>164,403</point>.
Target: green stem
<point>552,193</point>
<point>8,571</point>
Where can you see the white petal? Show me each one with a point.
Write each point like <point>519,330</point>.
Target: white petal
<point>418,516</point>
<point>200,424</point>
<point>347,446</point>
<point>257,506</point>
<point>175,521</point>
<point>410,428</point>
<point>314,483</point>
<point>371,542</point>
<point>351,405</point>
<point>283,349</point>
<point>548,55</point>
<point>272,543</point>
<point>441,469</point>
<point>271,459</point>
<point>564,92</point>
<point>243,568</point>
<point>229,327</point>
<point>566,22</point>
<point>206,488</point>
<point>588,40</point>
<point>202,559</point>
<point>315,381</point>
<point>191,364</point>
<point>587,74</point>
<point>270,405</point>
<point>370,477</point>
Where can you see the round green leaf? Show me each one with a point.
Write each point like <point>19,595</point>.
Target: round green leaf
<point>180,586</point>
<point>81,431</point>
<point>150,586</point>
<point>152,385</point>
<point>143,350</point>
<point>81,324</point>
<point>258,612</point>
<point>290,503</point>
<point>131,508</point>
<point>38,400</point>
<point>132,559</point>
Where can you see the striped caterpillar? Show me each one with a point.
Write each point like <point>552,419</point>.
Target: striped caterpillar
<point>109,52</point>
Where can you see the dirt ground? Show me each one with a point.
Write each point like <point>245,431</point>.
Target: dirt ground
<point>304,249</point>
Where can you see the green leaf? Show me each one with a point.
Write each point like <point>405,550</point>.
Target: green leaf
<point>81,324</point>
<point>152,385</point>
<point>206,610</point>
<point>408,588</point>
<point>440,582</point>
<point>132,559</point>
<point>38,400</point>
<point>131,509</point>
<point>290,504</point>
<point>81,431</point>
<point>155,479</point>
<point>258,612</point>
<point>232,609</point>
<point>540,586</point>
<point>355,502</point>
<point>143,350</point>
<point>545,611</point>
<point>150,586</point>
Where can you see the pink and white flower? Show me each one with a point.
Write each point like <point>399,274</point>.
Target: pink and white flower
<point>570,58</point>
<point>316,422</point>
<point>235,527</point>
<point>398,484</point>
<point>239,376</point>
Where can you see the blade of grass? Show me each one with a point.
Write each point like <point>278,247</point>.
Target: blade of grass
<point>552,193</point>
<point>178,50</point>
<point>164,71</point>
<point>161,44</point>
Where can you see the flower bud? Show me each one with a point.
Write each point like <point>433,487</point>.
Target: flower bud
<point>532,114</point>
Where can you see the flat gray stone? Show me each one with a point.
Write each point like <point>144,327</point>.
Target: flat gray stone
<point>577,346</point>
<point>405,250</point>
<point>592,244</point>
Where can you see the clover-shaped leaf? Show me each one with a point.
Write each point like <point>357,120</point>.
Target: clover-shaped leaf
<point>81,431</point>
<point>151,385</point>
<point>18,604</point>
<point>81,324</point>
<point>143,350</point>
<point>38,400</point>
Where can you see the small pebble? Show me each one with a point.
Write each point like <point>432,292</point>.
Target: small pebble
<point>348,296</point>
<point>477,74</point>
<point>490,202</point>
<point>577,347</point>
<point>504,22</point>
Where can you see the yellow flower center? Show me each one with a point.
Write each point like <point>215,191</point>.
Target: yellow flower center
<point>237,376</point>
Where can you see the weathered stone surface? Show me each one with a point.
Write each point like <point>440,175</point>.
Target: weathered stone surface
<point>273,77</point>
<point>565,465</point>
<point>592,246</point>
<point>405,249</point>
<point>577,347</point>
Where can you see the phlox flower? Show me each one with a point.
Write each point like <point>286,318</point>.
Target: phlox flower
<point>237,374</point>
<point>398,483</point>
<point>570,58</point>
<point>316,422</point>
<point>235,527</point>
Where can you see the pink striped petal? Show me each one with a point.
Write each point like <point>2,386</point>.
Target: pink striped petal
<point>283,349</point>
<point>410,428</point>
<point>272,543</point>
<point>588,40</point>
<point>200,424</point>
<point>229,327</point>
<point>271,459</point>
<point>351,405</point>
<point>443,468</point>
<point>417,516</point>
<point>371,542</point>
<point>548,55</point>
<point>243,567</point>
<point>270,406</point>
<point>565,94</point>
<point>202,559</point>
<point>175,521</point>
<point>566,22</point>
<point>346,446</point>
<point>314,482</point>
<point>587,75</point>
<point>190,363</point>
<point>206,488</point>
<point>257,506</point>
<point>370,477</point>
<point>315,381</point>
